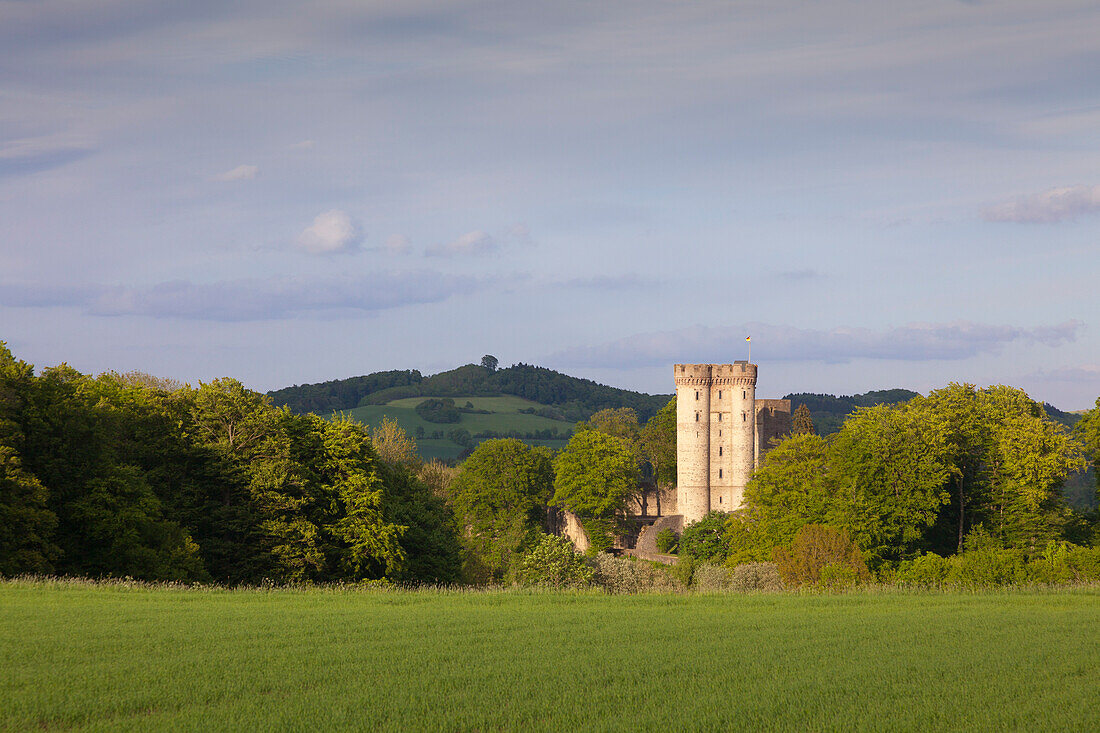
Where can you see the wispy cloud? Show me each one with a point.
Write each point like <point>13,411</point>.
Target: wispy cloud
<point>1084,374</point>
<point>1048,207</point>
<point>476,242</point>
<point>913,342</point>
<point>331,232</point>
<point>240,173</point>
<point>249,299</point>
<point>398,244</point>
<point>34,154</point>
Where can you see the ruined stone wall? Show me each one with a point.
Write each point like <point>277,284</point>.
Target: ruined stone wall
<point>773,422</point>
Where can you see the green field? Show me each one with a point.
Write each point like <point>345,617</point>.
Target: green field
<point>116,657</point>
<point>506,417</point>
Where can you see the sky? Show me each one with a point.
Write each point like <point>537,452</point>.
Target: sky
<point>882,194</point>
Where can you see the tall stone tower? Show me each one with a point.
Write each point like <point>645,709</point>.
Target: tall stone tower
<point>715,436</point>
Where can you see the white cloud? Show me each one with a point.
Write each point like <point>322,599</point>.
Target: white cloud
<point>1048,207</point>
<point>471,243</point>
<point>331,232</point>
<point>913,342</point>
<point>240,173</point>
<point>398,244</point>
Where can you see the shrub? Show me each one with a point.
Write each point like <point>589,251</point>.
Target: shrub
<point>628,575</point>
<point>554,563</point>
<point>705,540</point>
<point>756,576</point>
<point>667,540</point>
<point>927,570</point>
<point>712,578</point>
<point>816,546</point>
<point>988,567</point>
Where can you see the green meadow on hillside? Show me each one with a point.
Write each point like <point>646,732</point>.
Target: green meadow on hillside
<point>505,418</point>
<point>117,657</point>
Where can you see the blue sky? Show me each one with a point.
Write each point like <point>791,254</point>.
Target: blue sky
<point>882,194</point>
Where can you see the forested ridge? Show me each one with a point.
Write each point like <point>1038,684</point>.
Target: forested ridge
<point>576,398</point>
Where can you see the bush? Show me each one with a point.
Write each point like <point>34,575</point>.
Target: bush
<point>929,570</point>
<point>667,541</point>
<point>756,576</point>
<point>705,540</point>
<point>628,575</point>
<point>712,578</point>
<point>555,564</point>
<point>815,547</point>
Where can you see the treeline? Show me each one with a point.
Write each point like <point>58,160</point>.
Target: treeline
<point>830,411</point>
<point>127,475</point>
<point>575,399</point>
<point>915,484</point>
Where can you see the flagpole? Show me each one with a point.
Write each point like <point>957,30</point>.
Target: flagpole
<point>749,339</point>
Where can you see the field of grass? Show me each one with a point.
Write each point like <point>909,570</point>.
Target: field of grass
<point>115,657</point>
<point>505,417</point>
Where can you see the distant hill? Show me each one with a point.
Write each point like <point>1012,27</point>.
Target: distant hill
<point>829,411</point>
<point>575,398</point>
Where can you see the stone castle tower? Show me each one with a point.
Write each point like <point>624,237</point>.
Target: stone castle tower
<point>715,436</point>
<point>721,432</point>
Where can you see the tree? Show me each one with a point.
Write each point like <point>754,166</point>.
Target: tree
<point>489,362</point>
<point>802,422</point>
<point>1087,431</point>
<point>658,446</point>
<point>26,522</point>
<point>596,475</point>
<point>500,500</point>
<point>890,467</point>
<point>393,444</point>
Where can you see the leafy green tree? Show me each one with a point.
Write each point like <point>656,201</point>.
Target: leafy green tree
<point>26,522</point>
<point>890,467</point>
<point>499,499</point>
<point>792,488</point>
<point>658,446</point>
<point>489,363</point>
<point>802,423</point>
<point>1087,431</point>
<point>596,475</point>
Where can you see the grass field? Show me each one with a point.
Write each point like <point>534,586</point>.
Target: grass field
<point>505,417</point>
<point>112,657</point>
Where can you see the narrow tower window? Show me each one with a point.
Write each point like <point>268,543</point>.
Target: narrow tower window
<point>719,450</point>
<point>719,417</point>
<point>719,394</point>
<point>697,417</point>
<point>696,394</point>
<point>744,418</point>
<point>743,394</point>
<point>719,473</point>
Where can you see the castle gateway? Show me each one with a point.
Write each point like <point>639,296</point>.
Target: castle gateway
<point>722,430</point>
